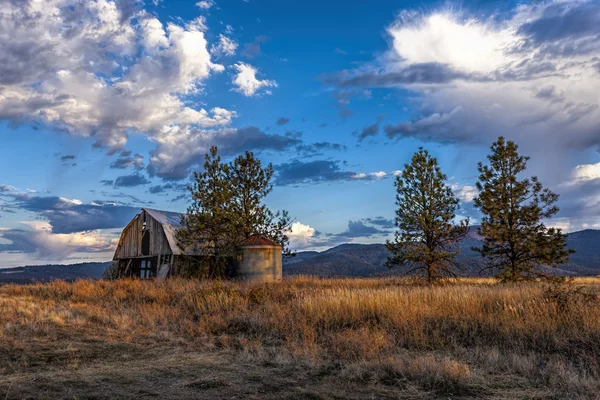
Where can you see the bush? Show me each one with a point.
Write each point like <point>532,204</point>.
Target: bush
<point>111,272</point>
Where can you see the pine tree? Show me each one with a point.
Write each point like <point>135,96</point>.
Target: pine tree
<point>515,238</point>
<point>208,227</point>
<point>427,237</point>
<point>227,208</point>
<point>251,184</point>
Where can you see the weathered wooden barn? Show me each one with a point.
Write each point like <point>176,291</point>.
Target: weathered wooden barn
<point>148,248</point>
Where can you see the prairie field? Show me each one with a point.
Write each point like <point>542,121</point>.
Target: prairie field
<point>301,338</point>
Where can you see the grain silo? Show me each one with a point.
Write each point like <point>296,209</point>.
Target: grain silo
<point>261,260</point>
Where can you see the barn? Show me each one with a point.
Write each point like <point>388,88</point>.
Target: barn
<point>148,248</point>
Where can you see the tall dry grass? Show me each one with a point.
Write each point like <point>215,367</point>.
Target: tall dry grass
<point>445,337</point>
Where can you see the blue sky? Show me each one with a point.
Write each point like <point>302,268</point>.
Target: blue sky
<point>109,106</point>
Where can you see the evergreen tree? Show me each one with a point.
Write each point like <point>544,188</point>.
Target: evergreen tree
<point>208,227</point>
<point>427,237</point>
<point>227,208</point>
<point>515,238</point>
<point>251,184</point>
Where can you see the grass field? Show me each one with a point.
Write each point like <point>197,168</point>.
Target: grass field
<point>301,338</point>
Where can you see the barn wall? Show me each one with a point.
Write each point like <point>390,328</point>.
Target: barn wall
<point>131,241</point>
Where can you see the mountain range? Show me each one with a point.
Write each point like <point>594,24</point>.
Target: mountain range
<point>362,260</point>
<point>354,260</point>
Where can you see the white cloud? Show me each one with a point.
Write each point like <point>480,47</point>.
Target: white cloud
<point>360,175</point>
<point>465,193</point>
<point>585,172</point>
<point>442,38</point>
<point>378,175</point>
<point>225,47</point>
<point>104,69</point>
<point>396,172</point>
<point>246,80</point>
<point>479,77</point>
<point>300,235</point>
<point>205,4</point>
<point>39,241</point>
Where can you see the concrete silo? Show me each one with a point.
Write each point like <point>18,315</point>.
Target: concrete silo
<point>261,260</point>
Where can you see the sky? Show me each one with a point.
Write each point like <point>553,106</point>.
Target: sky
<point>108,106</point>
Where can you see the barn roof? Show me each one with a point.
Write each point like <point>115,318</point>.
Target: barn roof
<point>171,222</point>
<point>258,240</point>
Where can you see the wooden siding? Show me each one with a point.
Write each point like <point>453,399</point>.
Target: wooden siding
<point>130,243</point>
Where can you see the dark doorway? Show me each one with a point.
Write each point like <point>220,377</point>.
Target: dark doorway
<point>145,242</point>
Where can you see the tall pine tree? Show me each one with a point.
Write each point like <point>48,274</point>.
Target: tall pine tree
<point>427,237</point>
<point>513,207</point>
<point>251,183</point>
<point>207,228</point>
<point>227,207</point>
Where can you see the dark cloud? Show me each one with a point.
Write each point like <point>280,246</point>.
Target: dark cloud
<point>319,148</point>
<point>67,216</point>
<point>180,197</point>
<point>283,121</point>
<point>365,228</point>
<point>137,161</point>
<point>252,138</point>
<point>230,143</point>
<point>253,49</point>
<point>435,121</point>
<point>131,180</point>
<point>298,172</point>
<point>168,187</point>
<point>415,73</point>
<point>564,20</point>
<point>6,188</point>
<point>370,130</point>
<point>106,182</point>
<point>550,93</point>
<point>125,153</point>
<point>345,113</point>
<point>360,229</point>
<point>323,125</point>
<point>380,221</point>
<point>67,158</point>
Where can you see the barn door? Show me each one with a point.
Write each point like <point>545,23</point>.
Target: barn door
<point>145,242</point>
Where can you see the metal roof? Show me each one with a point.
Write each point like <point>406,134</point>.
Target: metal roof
<point>171,222</point>
<point>259,240</point>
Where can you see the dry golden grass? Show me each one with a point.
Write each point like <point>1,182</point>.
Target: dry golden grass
<point>393,337</point>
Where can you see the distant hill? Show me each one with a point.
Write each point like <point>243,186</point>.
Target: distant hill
<point>360,260</point>
<point>356,260</point>
<point>45,273</point>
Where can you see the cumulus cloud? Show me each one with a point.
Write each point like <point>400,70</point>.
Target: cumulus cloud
<point>103,69</point>
<point>300,235</point>
<point>246,82</point>
<point>531,76</point>
<point>179,149</point>
<point>282,121</point>
<point>225,47</point>
<point>464,193</point>
<point>586,172</point>
<point>38,240</point>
